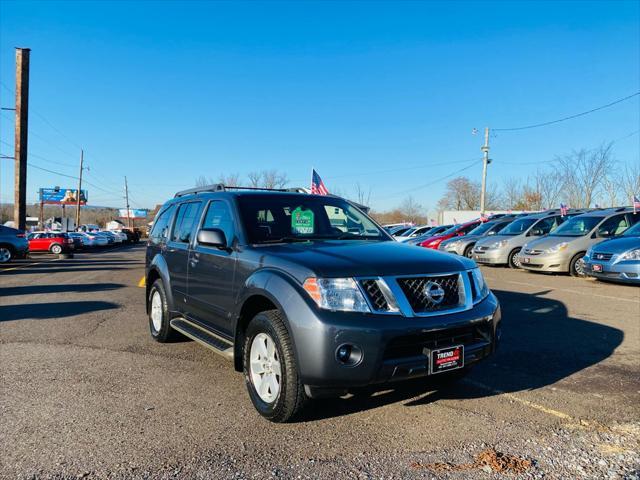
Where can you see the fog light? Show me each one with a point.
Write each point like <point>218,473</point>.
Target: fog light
<point>349,355</point>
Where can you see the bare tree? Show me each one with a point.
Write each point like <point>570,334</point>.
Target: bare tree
<point>230,179</point>
<point>461,194</point>
<point>202,181</point>
<point>274,179</point>
<point>412,211</point>
<point>582,174</point>
<point>512,191</point>
<point>254,179</point>
<point>363,197</point>
<point>611,186</point>
<point>630,180</point>
<point>548,187</point>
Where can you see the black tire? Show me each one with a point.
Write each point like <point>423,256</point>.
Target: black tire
<point>292,397</point>
<point>164,333</point>
<point>56,248</point>
<point>6,253</point>
<point>576,266</point>
<point>513,263</point>
<point>468,252</point>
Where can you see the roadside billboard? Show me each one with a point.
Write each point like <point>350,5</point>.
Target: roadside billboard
<point>62,196</point>
<point>133,213</point>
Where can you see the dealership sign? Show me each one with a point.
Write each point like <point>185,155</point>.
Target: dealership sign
<point>133,213</point>
<point>62,196</point>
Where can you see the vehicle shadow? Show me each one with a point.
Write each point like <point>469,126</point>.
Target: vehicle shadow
<point>41,311</point>
<point>44,289</point>
<point>541,345</point>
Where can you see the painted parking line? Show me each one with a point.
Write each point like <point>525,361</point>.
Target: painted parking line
<point>28,265</point>
<point>566,290</point>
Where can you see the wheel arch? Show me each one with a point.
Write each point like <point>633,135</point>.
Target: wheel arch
<point>158,269</point>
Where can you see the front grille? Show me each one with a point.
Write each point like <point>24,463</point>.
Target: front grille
<point>605,257</point>
<point>480,249</point>
<point>375,295</point>
<point>415,292</point>
<point>414,345</point>
<point>528,251</point>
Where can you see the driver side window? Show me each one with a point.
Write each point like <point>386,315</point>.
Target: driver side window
<point>613,226</point>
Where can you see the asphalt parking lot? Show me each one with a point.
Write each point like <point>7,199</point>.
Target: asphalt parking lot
<point>85,391</point>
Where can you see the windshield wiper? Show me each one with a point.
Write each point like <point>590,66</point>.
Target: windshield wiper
<point>353,236</point>
<point>286,240</point>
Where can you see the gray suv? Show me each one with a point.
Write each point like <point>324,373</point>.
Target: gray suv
<point>306,309</point>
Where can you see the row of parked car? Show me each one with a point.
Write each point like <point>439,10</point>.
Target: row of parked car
<point>603,243</point>
<point>18,244</point>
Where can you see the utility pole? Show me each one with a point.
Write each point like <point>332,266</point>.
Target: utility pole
<point>20,142</point>
<point>126,193</point>
<point>79,190</point>
<point>485,161</point>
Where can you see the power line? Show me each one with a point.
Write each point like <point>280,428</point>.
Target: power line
<point>536,125</point>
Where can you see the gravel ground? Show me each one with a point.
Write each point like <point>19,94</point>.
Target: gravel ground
<point>85,393</point>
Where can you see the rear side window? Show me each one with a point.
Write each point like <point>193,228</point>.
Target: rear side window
<point>547,224</point>
<point>218,216</point>
<point>185,221</point>
<point>160,226</point>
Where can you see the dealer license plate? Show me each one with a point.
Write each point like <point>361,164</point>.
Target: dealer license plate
<point>596,267</point>
<point>445,359</point>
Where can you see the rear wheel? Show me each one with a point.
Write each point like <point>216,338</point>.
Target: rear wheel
<point>6,254</point>
<point>56,248</point>
<point>514,259</point>
<point>270,368</point>
<point>576,266</point>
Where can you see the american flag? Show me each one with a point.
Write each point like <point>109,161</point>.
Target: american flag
<point>483,217</point>
<point>564,210</point>
<point>636,204</point>
<point>317,185</point>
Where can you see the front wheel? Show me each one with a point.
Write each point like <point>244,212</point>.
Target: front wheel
<point>159,326</point>
<point>576,266</point>
<point>468,252</point>
<point>57,249</point>
<point>270,368</point>
<point>514,258</point>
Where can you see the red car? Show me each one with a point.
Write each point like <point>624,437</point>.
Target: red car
<point>455,231</point>
<point>54,242</point>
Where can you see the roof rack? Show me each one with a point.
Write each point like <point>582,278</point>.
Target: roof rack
<point>220,187</point>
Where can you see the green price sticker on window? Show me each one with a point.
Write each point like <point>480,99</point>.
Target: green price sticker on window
<point>302,221</point>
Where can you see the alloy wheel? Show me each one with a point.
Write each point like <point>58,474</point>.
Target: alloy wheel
<point>156,311</point>
<point>266,370</point>
<point>5,254</point>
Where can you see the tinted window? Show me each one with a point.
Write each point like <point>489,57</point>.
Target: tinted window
<point>219,216</point>
<point>185,221</point>
<point>613,226</point>
<point>160,226</point>
<point>633,231</point>
<point>545,225</point>
<point>577,226</point>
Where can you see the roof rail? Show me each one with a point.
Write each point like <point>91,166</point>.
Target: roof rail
<point>216,187</point>
<point>219,187</point>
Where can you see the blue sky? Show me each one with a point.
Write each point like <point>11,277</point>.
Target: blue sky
<point>384,94</point>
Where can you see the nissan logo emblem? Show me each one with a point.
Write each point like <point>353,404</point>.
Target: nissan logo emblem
<point>434,292</point>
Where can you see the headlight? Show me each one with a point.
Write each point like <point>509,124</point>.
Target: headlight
<point>631,255</point>
<point>336,294</point>
<point>481,287</point>
<point>499,244</point>
<point>557,248</point>
<point>453,244</point>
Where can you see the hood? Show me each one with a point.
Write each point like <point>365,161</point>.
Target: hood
<point>617,245</point>
<point>355,258</point>
<point>542,243</point>
<point>488,239</point>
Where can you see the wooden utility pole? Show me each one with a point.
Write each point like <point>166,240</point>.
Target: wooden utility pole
<point>485,162</point>
<point>20,142</point>
<point>79,190</point>
<point>126,193</point>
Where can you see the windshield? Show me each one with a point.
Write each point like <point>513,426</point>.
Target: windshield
<point>272,218</point>
<point>451,230</point>
<point>518,226</point>
<point>482,228</point>
<point>577,226</point>
<point>633,231</point>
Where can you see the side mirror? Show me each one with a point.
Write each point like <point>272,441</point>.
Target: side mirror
<point>605,233</point>
<point>537,232</point>
<point>491,233</point>
<point>461,234</point>
<point>212,237</point>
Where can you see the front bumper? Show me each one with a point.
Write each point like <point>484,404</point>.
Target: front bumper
<point>497,256</point>
<point>553,262</point>
<point>627,271</point>
<point>458,248</point>
<point>392,346</point>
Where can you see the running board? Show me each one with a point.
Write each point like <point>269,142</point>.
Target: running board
<point>206,337</point>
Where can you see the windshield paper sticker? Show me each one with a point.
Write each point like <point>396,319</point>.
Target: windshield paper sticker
<point>302,221</point>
